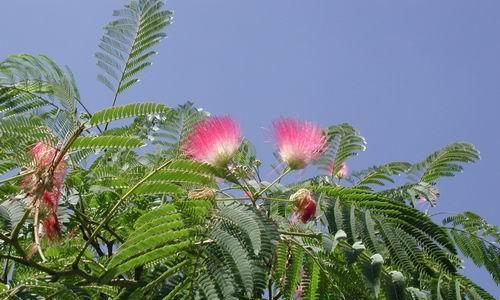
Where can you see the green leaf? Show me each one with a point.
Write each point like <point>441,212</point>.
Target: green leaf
<point>343,141</point>
<point>446,162</point>
<point>127,111</point>
<point>107,141</point>
<point>125,46</point>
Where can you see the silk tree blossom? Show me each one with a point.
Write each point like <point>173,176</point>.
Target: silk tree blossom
<point>304,205</point>
<point>298,142</point>
<point>45,189</point>
<point>214,140</point>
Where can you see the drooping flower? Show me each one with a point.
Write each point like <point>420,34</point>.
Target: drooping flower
<point>46,189</point>
<point>304,205</point>
<point>298,142</point>
<point>213,140</point>
<point>51,226</point>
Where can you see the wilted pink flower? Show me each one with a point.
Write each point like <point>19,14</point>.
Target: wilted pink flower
<point>304,205</point>
<point>46,190</point>
<point>214,140</point>
<point>299,142</point>
<point>51,226</point>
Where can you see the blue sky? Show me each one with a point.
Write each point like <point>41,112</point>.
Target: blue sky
<point>411,75</point>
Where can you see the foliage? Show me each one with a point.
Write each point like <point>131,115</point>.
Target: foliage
<point>140,220</point>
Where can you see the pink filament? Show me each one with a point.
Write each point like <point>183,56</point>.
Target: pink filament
<point>298,142</point>
<point>214,140</point>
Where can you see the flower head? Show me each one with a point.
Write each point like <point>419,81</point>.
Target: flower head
<point>298,142</point>
<point>304,205</point>
<point>214,140</point>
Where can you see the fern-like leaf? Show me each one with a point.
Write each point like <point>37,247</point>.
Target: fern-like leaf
<point>125,48</point>
<point>127,111</point>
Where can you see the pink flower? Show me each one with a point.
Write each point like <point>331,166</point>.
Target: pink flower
<point>46,191</point>
<point>214,140</point>
<point>299,143</point>
<point>51,226</point>
<point>304,205</point>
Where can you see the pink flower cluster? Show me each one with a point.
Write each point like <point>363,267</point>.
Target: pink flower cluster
<point>215,140</point>
<point>298,142</point>
<point>46,190</point>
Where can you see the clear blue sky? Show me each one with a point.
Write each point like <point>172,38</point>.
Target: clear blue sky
<point>411,75</point>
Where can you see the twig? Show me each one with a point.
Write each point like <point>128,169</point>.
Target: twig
<point>36,230</point>
<point>115,207</point>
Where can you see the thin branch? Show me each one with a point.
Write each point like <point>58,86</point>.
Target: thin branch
<point>109,215</point>
<point>88,112</point>
<point>21,175</point>
<point>285,172</point>
<point>302,234</point>
<point>36,230</point>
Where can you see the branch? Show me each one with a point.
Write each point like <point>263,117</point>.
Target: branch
<point>109,215</point>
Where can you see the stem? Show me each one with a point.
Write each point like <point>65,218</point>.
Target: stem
<point>36,230</point>
<point>60,155</point>
<point>85,218</point>
<point>109,215</point>
<point>311,235</point>
<point>276,199</point>
<point>233,199</point>
<point>15,232</point>
<point>270,289</point>
<point>88,112</point>
<point>29,263</point>
<point>21,175</point>
<point>318,263</point>
<point>7,267</point>
<point>285,172</point>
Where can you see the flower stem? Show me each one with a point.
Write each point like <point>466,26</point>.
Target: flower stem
<point>303,234</point>
<point>21,175</point>
<point>276,199</point>
<point>36,230</point>
<point>285,172</point>
<point>233,199</point>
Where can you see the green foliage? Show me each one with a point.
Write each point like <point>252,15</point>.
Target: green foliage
<point>343,141</point>
<point>158,235</point>
<point>477,240</point>
<point>127,111</point>
<point>103,142</point>
<point>445,162</point>
<point>138,219</point>
<point>381,175</point>
<point>28,83</point>
<point>125,48</point>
